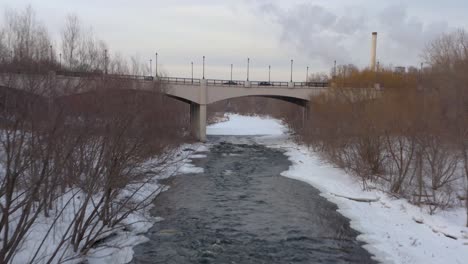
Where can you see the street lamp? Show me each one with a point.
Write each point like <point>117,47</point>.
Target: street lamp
<point>151,67</point>
<point>292,61</point>
<point>192,71</point>
<point>231,72</point>
<point>307,74</point>
<point>203,67</point>
<point>269,72</point>
<point>248,68</point>
<point>156,65</point>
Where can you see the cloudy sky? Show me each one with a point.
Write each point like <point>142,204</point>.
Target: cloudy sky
<point>271,32</point>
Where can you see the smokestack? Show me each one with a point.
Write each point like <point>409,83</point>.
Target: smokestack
<point>373,51</point>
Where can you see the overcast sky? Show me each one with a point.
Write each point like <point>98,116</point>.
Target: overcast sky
<point>271,32</point>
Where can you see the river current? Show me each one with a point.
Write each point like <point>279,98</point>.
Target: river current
<point>241,210</point>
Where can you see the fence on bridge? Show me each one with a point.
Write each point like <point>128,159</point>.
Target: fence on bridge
<point>188,81</point>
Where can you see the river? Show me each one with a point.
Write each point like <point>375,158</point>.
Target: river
<point>241,210</point>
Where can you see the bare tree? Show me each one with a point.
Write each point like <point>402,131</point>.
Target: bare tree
<point>71,38</point>
<point>448,56</point>
<point>25,38</point>
<point>64,140</point>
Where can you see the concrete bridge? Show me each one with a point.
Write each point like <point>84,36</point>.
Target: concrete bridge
<point>197,92</point>
<point>202,92</point>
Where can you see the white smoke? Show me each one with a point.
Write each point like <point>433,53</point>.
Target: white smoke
<point>323,34</point>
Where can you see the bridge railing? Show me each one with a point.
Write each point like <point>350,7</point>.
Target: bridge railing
<point>191,81</point>
<point>175,80</point>
<point>132,77</point>
<point>311,84</point>
<point>102,75</point>
<point>268,84</point>
<point>79,74</point>
<point>213,82</point>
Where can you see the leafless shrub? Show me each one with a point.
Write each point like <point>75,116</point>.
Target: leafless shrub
<point>71,147</point>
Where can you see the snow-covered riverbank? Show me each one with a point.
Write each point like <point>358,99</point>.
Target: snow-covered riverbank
<point>47,234</point>
<point>120,249</point>
<point>395,231</point>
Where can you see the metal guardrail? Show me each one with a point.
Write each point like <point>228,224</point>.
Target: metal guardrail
<point>176,80</point>
<point>212,82</point>
<point>79,74</point>
<point>191,81</point>
<point>311,84</point>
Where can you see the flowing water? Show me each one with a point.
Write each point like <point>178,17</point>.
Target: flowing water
<point>240,210</point>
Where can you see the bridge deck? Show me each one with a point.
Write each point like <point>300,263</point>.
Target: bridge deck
<point>195,81</point>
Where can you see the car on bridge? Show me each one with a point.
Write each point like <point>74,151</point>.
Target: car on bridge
<point>230,83</point>
<point>265,84</point>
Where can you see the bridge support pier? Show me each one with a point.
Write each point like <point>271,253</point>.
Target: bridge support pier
<point>198,121</point>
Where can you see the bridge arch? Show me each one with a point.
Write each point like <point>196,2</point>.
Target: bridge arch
<point>293,100</point>
<point>291,97</point>
<point>205,92</point>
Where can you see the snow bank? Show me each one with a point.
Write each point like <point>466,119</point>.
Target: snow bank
<point>388,226</point>
<point>120,248</point>
<point>117,248</point>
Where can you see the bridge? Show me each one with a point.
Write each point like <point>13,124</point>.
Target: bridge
<point>197,92</point>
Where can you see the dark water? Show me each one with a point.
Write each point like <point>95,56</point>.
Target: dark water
<point>242,211</point>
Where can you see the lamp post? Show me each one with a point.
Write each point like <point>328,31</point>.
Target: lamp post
<point>156,66</point>
<point>269,72</point>
<point>203,67</point>
<point>248,68</point>
<point>231,72</point>
<point>192,70</point>
<point>292,61</point>
<point>151,67</point>
<point>307,74</point>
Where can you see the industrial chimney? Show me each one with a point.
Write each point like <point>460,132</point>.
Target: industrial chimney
<point>373,51</point>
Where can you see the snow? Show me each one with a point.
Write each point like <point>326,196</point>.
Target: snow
<point>246,125</point>
<point>198,156</point>
<point>388,227</point>
<point>119,248</point>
